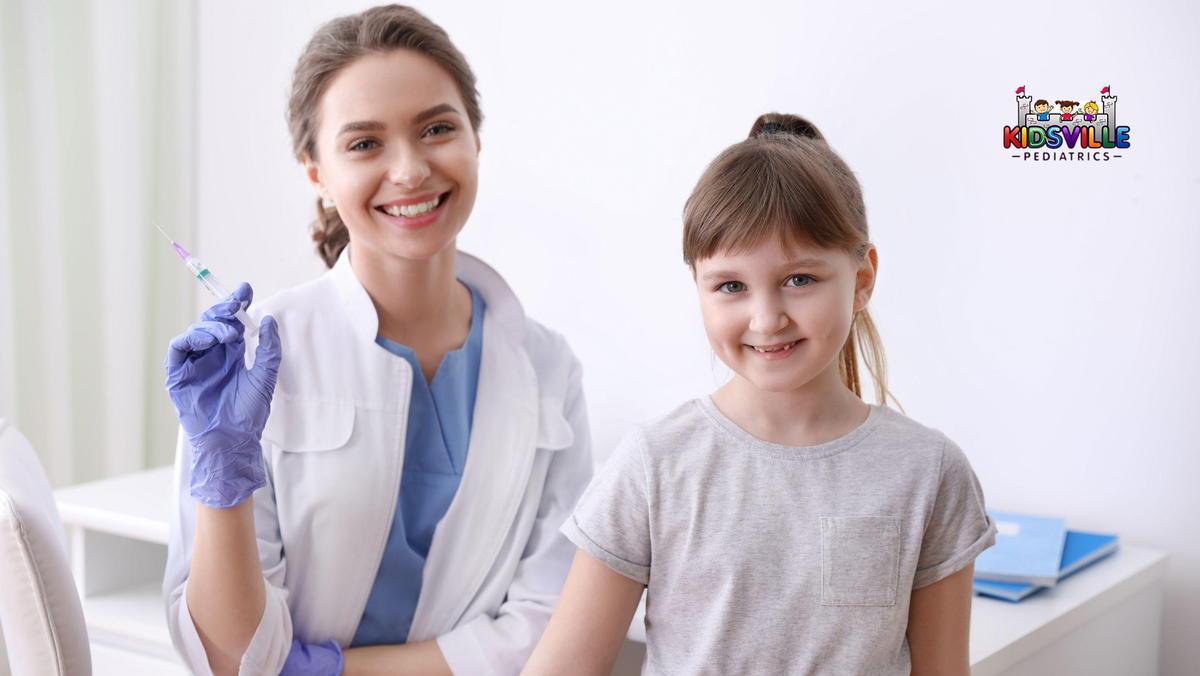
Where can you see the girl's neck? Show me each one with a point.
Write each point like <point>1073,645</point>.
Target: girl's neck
<point>419,302</point>
<point>822,410</point>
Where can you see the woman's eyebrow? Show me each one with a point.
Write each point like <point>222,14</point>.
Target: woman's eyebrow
<point>360,126</point>
<point>434,112</point>
<point>799,263</point>
<point>372,125</point>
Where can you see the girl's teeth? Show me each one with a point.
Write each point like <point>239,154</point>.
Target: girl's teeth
<point>411,210</point>
<point>775,349</point>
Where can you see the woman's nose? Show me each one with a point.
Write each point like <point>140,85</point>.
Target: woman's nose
<point>409,169</point>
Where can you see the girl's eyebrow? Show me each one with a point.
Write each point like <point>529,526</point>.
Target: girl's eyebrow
<point>798,263</point>
<point>372,125</point>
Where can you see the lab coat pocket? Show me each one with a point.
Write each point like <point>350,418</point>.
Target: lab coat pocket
<point>303,426</point>
<point>860,560</point>
<point>554,432</point>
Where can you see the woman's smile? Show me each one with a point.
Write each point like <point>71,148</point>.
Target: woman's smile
<point>413,215</point>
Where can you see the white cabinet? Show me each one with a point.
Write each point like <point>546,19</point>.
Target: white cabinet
<point>117,545</point>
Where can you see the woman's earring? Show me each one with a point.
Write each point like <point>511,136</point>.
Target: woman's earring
<point>327,204</point>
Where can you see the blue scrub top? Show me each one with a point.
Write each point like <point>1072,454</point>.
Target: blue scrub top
<point>439,429</point>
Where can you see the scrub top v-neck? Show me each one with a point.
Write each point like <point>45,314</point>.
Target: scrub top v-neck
<point>436,440</point>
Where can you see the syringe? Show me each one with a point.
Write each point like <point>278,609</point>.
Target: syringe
<point>210,282</point>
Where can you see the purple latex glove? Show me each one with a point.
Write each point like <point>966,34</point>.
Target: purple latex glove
<point>222,406</point>
<point>304,659</point>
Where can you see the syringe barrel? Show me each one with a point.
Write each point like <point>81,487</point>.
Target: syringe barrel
<point>218,291</point>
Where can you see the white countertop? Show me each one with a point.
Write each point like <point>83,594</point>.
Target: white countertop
<point>1002,633</point>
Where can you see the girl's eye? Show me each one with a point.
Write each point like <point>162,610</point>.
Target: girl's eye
<point>360,145</point>
<point>440,128</point>
<point>809,279</point>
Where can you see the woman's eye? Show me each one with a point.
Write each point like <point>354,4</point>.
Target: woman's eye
<point>365,144</point>
<point>726,284</point>
<point>439,129</point>
<point>807,279</point>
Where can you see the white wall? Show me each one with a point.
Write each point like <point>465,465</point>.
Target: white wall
<point>1043,315</point>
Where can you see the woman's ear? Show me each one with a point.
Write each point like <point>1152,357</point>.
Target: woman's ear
<point>313,173</point>
<point>864,280</point>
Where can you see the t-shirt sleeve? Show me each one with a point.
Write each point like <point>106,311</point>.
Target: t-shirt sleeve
<point>611,521</point>
<point>959,527</point>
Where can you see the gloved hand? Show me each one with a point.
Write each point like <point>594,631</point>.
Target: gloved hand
<point>304,659</point>
<point>222,406</point>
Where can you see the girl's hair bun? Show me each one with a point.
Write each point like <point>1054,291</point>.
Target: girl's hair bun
<point>776,123</point>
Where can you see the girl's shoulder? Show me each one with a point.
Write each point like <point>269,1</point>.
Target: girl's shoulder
<point>670,432</point>
<point>917,441</point>
<point>899,427</point>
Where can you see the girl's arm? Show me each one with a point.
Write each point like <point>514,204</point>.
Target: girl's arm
<point>939,626</point>
<point>423,657</point>
<point>590,622</point>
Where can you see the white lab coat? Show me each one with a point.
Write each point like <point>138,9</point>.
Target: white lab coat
<point>334,451</point>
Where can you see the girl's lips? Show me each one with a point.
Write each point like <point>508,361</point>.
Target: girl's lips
<point>772,356</point>
<point>417,222</point>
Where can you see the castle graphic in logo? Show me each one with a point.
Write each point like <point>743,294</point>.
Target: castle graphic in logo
<point>1074,133</point>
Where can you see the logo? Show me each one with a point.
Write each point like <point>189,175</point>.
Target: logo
<point>1075,133</point>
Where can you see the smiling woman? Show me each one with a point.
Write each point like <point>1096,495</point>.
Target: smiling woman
<point>422,438</point>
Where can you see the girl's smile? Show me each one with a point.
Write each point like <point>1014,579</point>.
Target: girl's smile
<point>777,351</point>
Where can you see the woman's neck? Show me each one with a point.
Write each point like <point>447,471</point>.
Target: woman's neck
<point>822,410</point>
<point>420,303</point>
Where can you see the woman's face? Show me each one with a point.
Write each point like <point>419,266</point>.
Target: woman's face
<point>802,299</point>
<point>396,153</point>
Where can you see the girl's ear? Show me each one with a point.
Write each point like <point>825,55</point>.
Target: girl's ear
<point>864,280</point>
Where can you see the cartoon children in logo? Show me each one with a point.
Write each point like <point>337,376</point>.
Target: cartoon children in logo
<point>1067,108</point>
<point>1089,111</point>
<point>1042,108</point>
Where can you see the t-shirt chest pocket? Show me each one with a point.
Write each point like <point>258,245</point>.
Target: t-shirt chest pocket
<point>860,560</point>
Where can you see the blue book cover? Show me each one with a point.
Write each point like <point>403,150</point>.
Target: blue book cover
<point>1081,550</point>
<point>1028,550</point>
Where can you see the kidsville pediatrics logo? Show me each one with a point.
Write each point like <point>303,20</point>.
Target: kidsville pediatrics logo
<point>1073,134</point>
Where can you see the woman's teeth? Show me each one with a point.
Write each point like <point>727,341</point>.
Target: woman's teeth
<point>776,349</point>
<point>411,210</point>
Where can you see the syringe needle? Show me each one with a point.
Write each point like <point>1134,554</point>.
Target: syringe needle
<point>164,233</point>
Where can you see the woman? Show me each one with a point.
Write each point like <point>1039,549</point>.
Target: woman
<point>390,501</point>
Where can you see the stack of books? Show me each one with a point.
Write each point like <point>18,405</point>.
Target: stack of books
<point>1035,552</point>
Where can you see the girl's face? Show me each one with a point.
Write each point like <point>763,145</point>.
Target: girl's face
<point>802,300</point>
<point>397,155</point>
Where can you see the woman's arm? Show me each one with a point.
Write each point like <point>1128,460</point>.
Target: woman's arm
<point>939,626</point>
<point>590,622</point>
<point>225,592</point>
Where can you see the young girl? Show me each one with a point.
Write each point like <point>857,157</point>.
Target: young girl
<point>382,491</point>
<point>780,525</point>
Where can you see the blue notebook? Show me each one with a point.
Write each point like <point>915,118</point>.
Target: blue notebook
<point>1081,550</point>
<point>1028,550</point>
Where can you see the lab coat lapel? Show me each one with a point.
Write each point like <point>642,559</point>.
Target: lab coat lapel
<point>500,455</point>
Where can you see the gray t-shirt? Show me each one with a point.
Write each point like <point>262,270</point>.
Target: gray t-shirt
<point>762,558</point>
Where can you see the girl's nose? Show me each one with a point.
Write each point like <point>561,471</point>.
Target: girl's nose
<point>409,170</point>
<point>768,319</point>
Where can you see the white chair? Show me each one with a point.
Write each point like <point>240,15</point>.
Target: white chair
<point>39,606</point>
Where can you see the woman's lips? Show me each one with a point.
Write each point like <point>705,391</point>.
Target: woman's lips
<point>417,222</point>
